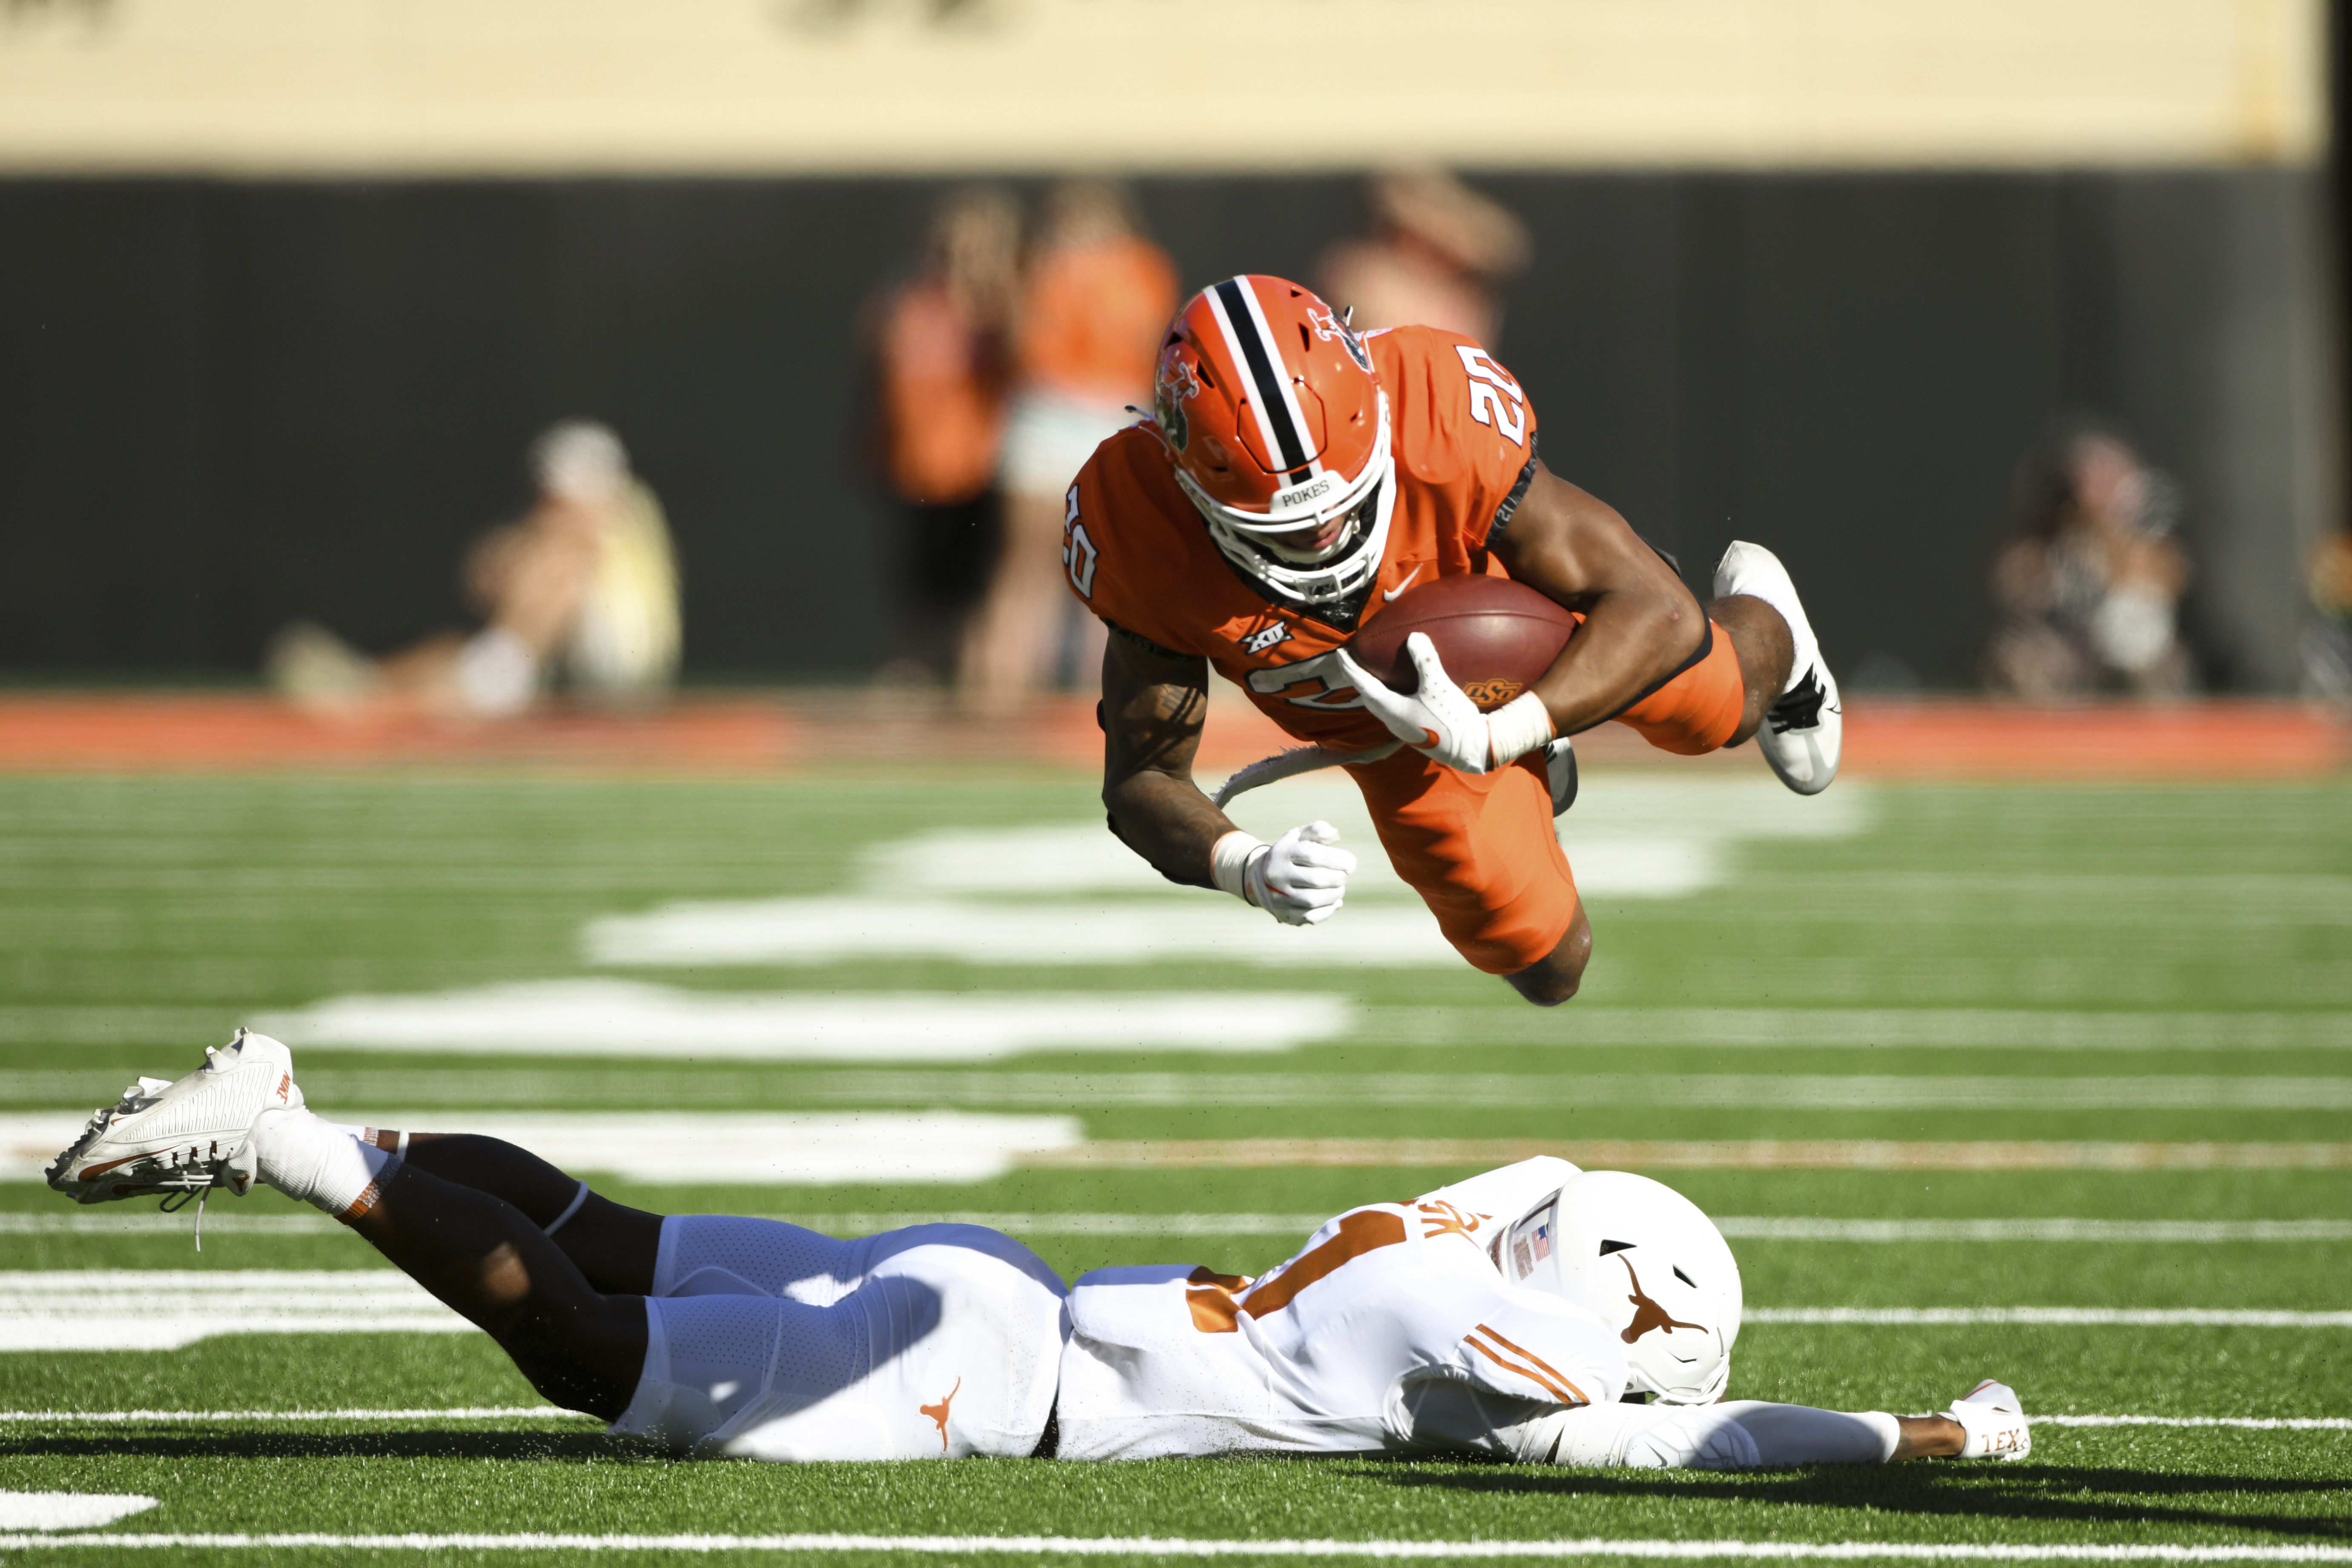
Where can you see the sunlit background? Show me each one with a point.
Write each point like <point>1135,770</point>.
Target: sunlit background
<point>519,574</point>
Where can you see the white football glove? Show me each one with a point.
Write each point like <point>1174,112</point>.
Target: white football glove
<point>1441,722</point>
<point>1301,879</point>
<point>1993,1418</point>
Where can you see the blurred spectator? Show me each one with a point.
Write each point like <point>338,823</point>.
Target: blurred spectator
<point>2327,640</point>
<point>1095,296</point>
<point>584,586</point>
<point>939,345</point>
<point>1437,256</point>
<point>2090,584</point>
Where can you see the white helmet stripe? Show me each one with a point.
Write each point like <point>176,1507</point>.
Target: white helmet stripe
<point>1234,303</point>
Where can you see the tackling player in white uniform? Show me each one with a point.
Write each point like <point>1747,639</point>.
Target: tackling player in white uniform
<point>1513,1315</point>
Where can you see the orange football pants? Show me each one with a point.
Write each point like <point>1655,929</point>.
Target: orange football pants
<point>1697,710</point>
<point>1480,848</point>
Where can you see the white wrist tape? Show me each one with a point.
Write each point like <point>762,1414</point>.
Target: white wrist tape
<point>1229,863</point>
<point>1517,728</point>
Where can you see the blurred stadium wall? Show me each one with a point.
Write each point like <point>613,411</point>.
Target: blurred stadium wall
<point>285,284</point>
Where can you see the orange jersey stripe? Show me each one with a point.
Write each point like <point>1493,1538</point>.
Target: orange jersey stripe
<point>1522,1350</point>
<point>1359,1233</point>
<point>1561,1389</point>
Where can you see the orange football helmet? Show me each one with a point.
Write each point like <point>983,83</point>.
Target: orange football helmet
<point>1268,404</point>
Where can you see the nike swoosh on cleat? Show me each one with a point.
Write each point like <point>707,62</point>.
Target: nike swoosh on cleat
<point>1390,594</point>
<point>110,1165</point>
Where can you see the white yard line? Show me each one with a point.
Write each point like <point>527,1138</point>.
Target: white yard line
<point>1677,1091</point>
<point>2245,1422</point>
<point>156,1309</point>
<point>1691,1154</point>
<point>610,1018</point>
<point>1745,1227</point>
<point>151,1417</point>
<point>550,1413</point>
<point>1873,1027</point>
<point>69,1511</point>
<point>1762,1228</point>
<point>1597,1025</point>
<point>1163,1547</point>
<point>756,1149</point>
<point>2070,1317</point>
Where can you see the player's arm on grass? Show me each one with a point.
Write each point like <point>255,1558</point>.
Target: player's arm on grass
<point>1154,706</point>
<point>1641,626</point>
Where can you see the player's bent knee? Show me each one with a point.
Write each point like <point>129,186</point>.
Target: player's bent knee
<point>1554,978</point>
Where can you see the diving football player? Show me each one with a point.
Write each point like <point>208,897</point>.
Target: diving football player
<point>1294,478</point>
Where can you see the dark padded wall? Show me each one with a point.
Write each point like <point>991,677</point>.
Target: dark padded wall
<point>228,404</point>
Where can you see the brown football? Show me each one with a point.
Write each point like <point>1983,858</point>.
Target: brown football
<point>1495,637</point>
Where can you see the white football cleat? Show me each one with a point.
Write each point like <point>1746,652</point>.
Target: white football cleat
<point>1804,729</point>
<point>183,1137</point>
<point>1994,1420</point>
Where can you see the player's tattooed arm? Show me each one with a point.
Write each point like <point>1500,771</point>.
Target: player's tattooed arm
<point>1642,625</point>
<point>1154,705</point>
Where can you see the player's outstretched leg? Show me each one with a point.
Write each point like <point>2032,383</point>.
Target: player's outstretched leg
<point>614,1246</point>
<point>240,1118</point>
<point>1797,719</point>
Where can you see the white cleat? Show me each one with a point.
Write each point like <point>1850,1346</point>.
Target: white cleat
<point>183,1137</point>
<point>1994,1421</point>
<point>1804,729</point>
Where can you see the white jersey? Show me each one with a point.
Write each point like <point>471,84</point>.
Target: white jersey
<point>1393,1329</point>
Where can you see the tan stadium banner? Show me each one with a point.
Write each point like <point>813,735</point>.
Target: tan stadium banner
<point>913,86</point>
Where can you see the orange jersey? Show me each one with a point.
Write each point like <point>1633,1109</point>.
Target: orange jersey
<point>1139,556</point>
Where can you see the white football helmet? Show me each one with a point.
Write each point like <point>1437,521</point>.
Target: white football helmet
<point>1651,1266</point>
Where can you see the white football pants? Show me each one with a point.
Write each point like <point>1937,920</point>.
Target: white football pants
<point>768,1342</point>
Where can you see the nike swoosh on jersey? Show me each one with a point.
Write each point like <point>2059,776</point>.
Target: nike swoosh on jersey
<point>1390,595</point>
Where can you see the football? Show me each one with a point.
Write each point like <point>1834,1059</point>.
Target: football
<point>1495,636</point>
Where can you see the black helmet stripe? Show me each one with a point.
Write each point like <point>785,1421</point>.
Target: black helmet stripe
<point>1264,367</point>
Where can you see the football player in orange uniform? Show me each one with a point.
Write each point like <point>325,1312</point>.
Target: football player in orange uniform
<point>1295,477</point>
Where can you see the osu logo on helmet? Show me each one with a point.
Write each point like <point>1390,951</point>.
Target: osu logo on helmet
<point>1176,384</point>
<point>1280,432</point>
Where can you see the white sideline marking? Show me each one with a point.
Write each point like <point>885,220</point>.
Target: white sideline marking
<point>149,1417</point>
<point>68,1510</point>
<point>1167,1546</point>
<point>576,1018</point>
<point>2073,1316</point>
<point>763,1149</point>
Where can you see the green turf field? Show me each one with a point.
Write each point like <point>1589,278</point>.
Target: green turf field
<point>2142,995</point>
